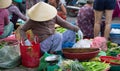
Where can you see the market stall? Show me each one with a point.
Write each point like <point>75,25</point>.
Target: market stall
<point>80,56</point>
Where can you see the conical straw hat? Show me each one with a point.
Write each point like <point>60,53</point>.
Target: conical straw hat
<point>42,12</point>
<point>5,3</point>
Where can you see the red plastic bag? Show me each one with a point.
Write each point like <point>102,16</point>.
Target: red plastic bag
<point>30,55</point>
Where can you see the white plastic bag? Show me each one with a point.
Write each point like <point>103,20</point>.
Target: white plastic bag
<point>9,56</point>
<point>83,43</point>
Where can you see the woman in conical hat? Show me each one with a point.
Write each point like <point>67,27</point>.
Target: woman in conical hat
<point>43,18</point>
<point>6,27</point>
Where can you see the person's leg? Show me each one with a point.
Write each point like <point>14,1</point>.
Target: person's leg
<point>98,17</point>
<point>52,43</point>
<point>108,14</point>
<point>56,42</point>
<point>69,38</point>
<point>8,29</point>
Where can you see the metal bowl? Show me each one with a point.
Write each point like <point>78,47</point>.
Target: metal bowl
<point>52,59</point>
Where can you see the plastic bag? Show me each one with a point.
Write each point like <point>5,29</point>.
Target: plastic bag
<point>43,64</point>
<point>99,42</point>
<point>9,56</point>
<point>83,43</point>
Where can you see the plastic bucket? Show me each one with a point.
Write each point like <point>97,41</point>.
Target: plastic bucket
<point>30,55</point>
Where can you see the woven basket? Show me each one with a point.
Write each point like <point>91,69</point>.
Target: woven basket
<point>80,53</point>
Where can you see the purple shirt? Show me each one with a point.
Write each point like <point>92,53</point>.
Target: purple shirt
<point>85,20</point>
<point>4,20</point>
<point>14,9</point>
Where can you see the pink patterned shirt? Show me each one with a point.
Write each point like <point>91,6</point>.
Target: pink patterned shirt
<point>4,20</point>
<point>85,20</point>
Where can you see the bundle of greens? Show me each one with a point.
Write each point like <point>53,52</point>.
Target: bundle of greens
<point>70,65</point>
<point>2,44</point>
<point>95,66</point>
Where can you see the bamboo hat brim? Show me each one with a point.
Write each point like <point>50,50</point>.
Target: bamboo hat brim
<point>5,3</point>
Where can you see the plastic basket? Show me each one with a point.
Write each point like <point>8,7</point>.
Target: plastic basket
<point>115,37</point>
<point>115,68</point>
<point>115,25</point>
<point>81,54</point>
<point>118,56</point>
<point>30,55</point>
<point>110,59</point>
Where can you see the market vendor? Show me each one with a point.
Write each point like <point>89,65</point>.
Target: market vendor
<point>6,27</point>
<point>43,18</point>
<point>15,14</point>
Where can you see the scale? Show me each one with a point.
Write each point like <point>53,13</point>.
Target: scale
<point>52,60</point>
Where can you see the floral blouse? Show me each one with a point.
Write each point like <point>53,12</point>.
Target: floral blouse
<point>85,21</point>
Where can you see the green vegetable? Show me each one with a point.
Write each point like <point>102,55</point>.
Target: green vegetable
<point>76,66</point>
<point>95,66</point>
<point>60,29</point>
<point>2,44</point>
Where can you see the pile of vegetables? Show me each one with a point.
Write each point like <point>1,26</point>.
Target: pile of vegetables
<point>60,29</point>
<point>2,44</point>
<point>113,49</point>
<point>95,66</point>
<point>70,65</point>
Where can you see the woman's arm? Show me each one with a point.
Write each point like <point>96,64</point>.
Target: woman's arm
<point>16,11</point>
<point>65,24</point>
<point>63,9</point>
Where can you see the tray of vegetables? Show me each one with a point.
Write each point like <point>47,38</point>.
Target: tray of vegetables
<point>70,65</point>
<point>95,66</point>
<point>110,59</point>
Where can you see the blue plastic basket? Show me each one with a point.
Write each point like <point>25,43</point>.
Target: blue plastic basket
<point>115,37</point>
<point>115,25</point>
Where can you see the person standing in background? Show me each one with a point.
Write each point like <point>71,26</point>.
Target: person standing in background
<point>85,19</point>
<point>116,12</point>
<point>60,8</point>
<point>99,7</point>
<point>30,3</point>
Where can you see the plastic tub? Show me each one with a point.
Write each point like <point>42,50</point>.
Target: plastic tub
<point>114,68</point>
<point>115,37</point>
<point>110,59</point>
<point>118,56</point>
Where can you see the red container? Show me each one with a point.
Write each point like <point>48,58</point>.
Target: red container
<point>110,59</point>
<point>30,55</point>
<point>118,56</point>
<point>81,53</point>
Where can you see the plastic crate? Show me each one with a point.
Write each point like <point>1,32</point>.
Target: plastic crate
<point>115,37</point>
<point>115,25</point>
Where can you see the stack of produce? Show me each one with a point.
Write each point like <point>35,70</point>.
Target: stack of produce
<point>70,65</point>
<point>113,49</point>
